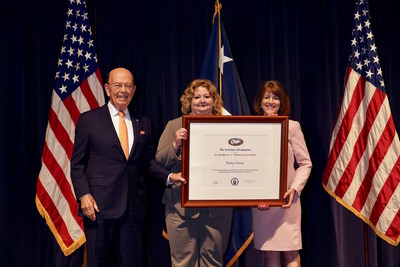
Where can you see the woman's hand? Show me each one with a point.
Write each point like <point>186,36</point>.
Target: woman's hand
<point>180,135</point>
<point>289,195</point>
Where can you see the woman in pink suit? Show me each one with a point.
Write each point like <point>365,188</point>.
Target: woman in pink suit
<point>277,230</point>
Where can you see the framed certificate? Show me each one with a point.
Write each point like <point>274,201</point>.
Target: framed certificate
<point>231,161</point>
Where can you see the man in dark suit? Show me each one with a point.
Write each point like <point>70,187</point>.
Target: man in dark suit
<point>109,178</point>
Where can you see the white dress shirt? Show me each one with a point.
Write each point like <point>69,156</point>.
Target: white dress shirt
<point>115,119</point>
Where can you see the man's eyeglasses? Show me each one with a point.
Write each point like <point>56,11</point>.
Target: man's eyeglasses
<point>118,86</point>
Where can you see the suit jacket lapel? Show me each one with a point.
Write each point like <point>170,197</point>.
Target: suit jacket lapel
<point>109,126</point>
<point>136,128</point>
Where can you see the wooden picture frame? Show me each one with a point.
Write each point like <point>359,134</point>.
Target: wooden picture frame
<point>234,161</point>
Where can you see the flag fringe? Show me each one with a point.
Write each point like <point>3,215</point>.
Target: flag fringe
<point>66,250</point>
<point>362,217</point>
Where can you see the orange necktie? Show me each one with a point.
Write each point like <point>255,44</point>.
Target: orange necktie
<point>123,134</point>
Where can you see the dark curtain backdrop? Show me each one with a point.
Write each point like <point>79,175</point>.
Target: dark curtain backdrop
<point>304,44</point>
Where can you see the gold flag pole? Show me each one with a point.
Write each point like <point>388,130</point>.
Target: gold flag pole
<point>217,9</point>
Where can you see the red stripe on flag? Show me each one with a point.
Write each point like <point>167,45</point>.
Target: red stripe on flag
<point>345,128</point>
<point>393,232</point>
<point>375,160</point>
<point>72,108</point>
<point>55,216</point>
<point>384,196</point>
<point>87,92</point>
<point>60,133</point>
<point>359,146</point>
<point>59,177</point>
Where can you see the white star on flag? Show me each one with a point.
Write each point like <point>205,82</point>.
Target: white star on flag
<point>223,60</point>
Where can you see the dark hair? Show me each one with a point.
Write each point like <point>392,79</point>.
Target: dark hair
<point>277,89</point>
<point>186,99</point>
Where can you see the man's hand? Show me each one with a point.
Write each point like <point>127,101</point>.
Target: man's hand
<point>88,206</point>
<point>176,178</point>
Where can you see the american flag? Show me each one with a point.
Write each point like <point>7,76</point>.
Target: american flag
<point>363,168</point>
<point>78,88</point>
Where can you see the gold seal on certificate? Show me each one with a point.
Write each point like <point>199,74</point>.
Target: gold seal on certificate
<point>234,160</point>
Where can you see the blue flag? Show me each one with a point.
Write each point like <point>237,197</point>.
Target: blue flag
<point>226,78</point>
<point>224,75</point>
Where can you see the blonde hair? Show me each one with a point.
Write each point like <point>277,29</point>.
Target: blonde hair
<point>186,98</point>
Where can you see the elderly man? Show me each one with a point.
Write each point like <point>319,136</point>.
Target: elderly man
<point>113,152</point>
